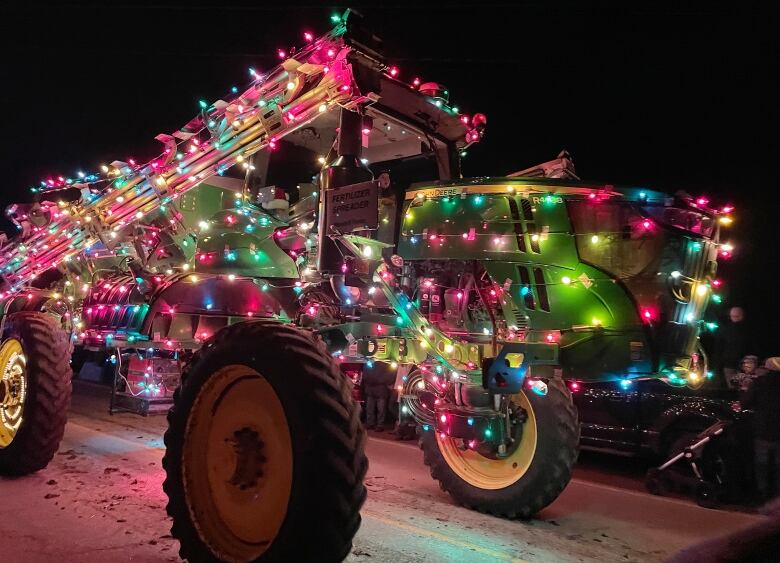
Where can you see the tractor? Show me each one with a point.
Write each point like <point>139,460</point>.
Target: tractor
<point>487,297</point>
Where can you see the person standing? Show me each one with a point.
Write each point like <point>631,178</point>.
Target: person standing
<point>733,343</point>
<point>763,398</point>
<point>377,379</point>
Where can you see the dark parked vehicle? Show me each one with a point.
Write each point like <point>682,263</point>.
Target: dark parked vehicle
<point>658,421</point>
<point>649,417</point>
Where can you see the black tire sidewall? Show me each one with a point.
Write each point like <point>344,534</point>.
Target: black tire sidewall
<point>41,431</point>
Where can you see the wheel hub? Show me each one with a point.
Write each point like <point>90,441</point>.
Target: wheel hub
<point>238,462</point>
<point>250,460</point>
<point>484,467</point>
<point>13,389</point>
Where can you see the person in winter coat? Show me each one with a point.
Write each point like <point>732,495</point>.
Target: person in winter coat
<point>733,343</point>
<point>377,379</point>
<point>763,398</point>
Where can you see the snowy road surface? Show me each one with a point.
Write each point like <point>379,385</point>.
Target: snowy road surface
<point>101,500</point>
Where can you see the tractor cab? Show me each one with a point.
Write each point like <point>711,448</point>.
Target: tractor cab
<point>617,277</point>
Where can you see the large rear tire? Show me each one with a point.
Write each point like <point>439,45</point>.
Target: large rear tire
<point>530,477</point>
<point>264,458</point>
<point>35,389</point>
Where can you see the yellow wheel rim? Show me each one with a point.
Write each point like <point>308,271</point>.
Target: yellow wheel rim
<point>486,473</point>
<point>237,463</point>
<point>13,389</point>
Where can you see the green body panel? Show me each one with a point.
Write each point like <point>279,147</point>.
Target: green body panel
<point>240,241</point>
<point>204,201</point>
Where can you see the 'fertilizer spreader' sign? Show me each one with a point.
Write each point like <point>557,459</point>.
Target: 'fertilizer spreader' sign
<point>352,208</point>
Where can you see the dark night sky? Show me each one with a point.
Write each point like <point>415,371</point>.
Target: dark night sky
<point>673,98</point>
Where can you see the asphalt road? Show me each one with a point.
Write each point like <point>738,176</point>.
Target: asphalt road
<point>101,500</point>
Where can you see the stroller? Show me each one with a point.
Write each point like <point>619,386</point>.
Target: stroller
<point>704,473</point>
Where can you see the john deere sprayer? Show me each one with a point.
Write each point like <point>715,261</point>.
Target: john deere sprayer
<point>315,224</point>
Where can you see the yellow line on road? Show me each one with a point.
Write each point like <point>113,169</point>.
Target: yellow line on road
<point>441,537</point>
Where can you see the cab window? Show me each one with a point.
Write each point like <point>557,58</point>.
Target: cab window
<point>615,237</point>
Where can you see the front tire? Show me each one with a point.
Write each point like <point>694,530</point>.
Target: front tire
<point>528,479</point>
<point>35,389</point>
<point>264,458</point>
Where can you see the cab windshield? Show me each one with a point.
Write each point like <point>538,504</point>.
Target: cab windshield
<point>615,237</point>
